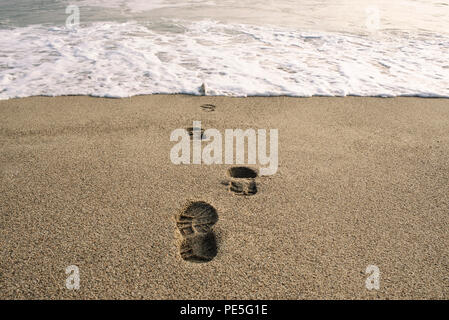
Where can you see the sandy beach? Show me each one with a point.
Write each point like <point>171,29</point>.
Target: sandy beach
<point>89,182</point>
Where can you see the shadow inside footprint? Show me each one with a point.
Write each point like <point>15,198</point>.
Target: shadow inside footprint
<point>243,182</point>
<point>242,172</point>
<point>200,248</point>
<point>195,223</point>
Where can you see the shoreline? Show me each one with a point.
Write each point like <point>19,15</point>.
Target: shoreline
<point>232,97</point>
<point>88,181</point>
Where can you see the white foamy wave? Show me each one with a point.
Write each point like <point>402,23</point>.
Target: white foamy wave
<point>121,60</point>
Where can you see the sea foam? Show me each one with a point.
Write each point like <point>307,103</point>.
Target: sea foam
<point>125,59</point>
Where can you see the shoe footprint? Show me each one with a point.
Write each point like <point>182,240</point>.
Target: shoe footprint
<point>208,107</point>
<point>196,133</point>
<point>195,223</point>
<point>242,181</point>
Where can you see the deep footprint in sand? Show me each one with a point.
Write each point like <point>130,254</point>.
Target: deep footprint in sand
<point>242,182</point>
<point>195,223</point>
<point>199,248</point>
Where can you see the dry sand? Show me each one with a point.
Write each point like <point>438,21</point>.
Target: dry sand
<point>89,182</point>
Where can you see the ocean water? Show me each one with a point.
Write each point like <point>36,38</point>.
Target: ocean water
<point>236,47</point>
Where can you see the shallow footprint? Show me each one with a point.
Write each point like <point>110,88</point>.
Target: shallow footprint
<point>246,188</point>
<point>193,136</point>
<point>208,107</point>
<point>195,223</point>
<point>243,182</point>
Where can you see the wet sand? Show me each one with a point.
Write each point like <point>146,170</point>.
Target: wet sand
<point>89,182</point>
